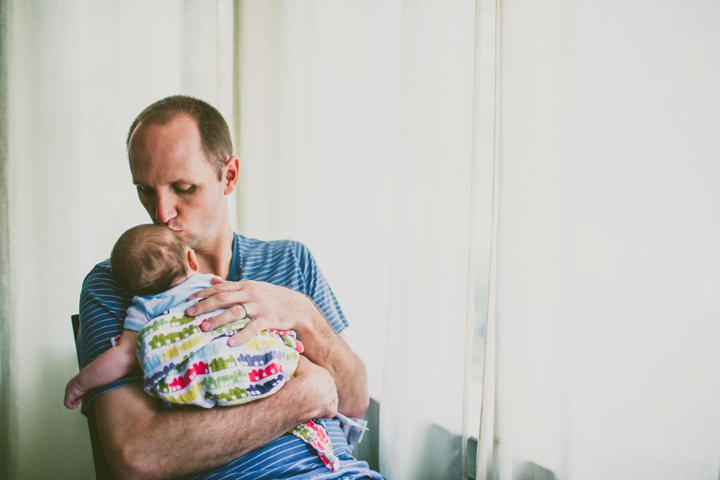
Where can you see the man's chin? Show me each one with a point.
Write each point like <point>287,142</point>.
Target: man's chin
<point>190,240</point>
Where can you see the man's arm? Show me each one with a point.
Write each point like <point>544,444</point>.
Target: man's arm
<point>143,440</point>
<point>271,306</point>
<point>136,430</point>
<point>331,351</point>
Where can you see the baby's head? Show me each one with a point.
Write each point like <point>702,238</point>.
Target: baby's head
<point>149,259</point>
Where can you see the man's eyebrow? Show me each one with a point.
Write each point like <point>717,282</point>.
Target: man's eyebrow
<point>174,182</point>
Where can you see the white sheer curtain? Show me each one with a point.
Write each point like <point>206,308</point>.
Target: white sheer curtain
<point>607,241</point>
<point>356,137</point>
<point>79,71</point>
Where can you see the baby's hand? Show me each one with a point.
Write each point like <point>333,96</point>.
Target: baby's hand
<point>73,394</point>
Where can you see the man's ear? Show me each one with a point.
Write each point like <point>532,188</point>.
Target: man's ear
<point>231,173</point>
<point>192,260</point>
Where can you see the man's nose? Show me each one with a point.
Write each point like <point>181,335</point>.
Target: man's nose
<point>165,209</point>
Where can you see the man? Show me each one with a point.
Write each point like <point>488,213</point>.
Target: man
<point>181,161</point>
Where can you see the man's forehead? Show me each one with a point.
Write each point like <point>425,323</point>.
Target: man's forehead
<point>170,169</point>
<point>170,150</point>
<point>165,134</point>
<point>166,177</point>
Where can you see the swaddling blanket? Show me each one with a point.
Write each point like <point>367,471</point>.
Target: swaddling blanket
<point>183,364</point>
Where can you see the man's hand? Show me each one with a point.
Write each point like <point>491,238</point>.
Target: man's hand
<point>320,392</point>
<point>270,306</point>
<point>267,305</point>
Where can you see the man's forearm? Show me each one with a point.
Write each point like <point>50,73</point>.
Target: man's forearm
<point>271,306</point>
<point>329,350</point>
<point>143,440</point>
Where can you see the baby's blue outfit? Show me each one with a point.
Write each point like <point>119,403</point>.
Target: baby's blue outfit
<point>148,307</point>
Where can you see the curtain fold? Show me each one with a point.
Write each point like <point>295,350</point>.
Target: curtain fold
<point>424,377</point>
<point>485,223</point>
<point>7,428</point>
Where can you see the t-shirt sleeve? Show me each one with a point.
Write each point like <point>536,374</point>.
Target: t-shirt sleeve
<point>137,315</point>
<point>318,290</point>
<point>103,303</point>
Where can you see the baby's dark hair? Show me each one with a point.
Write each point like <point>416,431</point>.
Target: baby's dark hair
<point>147,259</point>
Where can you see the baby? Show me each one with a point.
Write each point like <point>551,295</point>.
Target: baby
<point>182,364</point>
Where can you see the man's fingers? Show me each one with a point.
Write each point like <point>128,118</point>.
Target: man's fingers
<point>231,315</point>
<point>252,329</point>
<point>221,300</point>
<point>218,285</point>
<point>208,292</point>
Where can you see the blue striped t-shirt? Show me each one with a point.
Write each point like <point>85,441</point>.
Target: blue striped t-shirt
<point>103,303</point>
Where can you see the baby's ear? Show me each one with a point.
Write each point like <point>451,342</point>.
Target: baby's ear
<point>192,260</point>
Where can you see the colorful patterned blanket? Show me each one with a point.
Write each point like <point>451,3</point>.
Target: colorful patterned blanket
<point>183,365</point>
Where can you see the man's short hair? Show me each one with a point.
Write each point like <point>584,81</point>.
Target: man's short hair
<point>215,138</point>
<point>147,259</point>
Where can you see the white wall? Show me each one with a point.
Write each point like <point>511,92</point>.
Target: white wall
<point>608,271</point>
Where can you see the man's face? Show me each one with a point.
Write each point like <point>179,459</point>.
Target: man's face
<point>176,184</point>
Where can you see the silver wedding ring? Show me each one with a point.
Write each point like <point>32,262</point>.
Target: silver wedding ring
<point>247,314</point>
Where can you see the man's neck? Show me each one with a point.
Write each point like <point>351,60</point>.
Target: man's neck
<point>215,258</point>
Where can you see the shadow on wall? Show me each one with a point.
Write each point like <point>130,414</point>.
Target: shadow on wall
<point>446,458</point>
<point>445,461</point>
<point>444,445</point>
<point>533,471</point>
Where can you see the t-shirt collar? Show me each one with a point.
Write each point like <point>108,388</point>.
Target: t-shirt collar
<point>234,274</point>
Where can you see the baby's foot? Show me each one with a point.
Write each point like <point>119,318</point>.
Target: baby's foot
<point>73,394</point>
